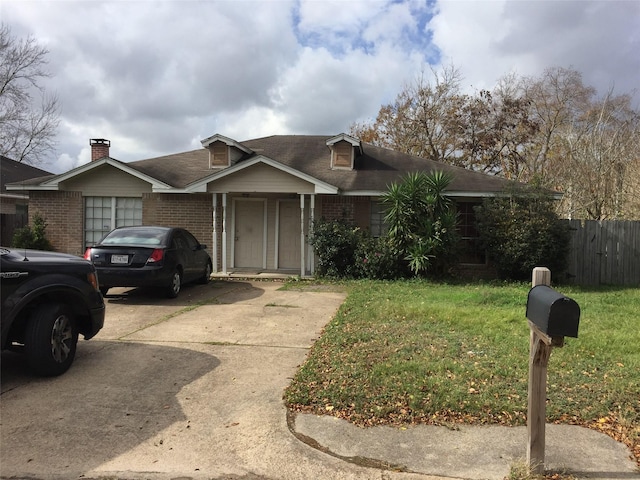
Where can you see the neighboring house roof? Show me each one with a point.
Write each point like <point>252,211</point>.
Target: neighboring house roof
<point>305,156</point>
<point>17,172</point>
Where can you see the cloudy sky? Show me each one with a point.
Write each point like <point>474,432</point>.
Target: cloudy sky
<point>156,77</point>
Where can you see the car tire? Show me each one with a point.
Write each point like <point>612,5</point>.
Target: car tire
<point>173,289</point>
<point>51,337</point>
<point>104,290</point>
<point>207,274</point>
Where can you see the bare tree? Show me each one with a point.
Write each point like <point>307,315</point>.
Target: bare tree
<point>632,189</point>
<point>600,170</point>
<point>431,118</point>
<point>556,98</point>
<point>28,116</point>
<point>422,120</point>
<point>496,131</point>
<point>549,130</point>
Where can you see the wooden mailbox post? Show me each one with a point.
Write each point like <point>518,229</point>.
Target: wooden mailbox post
<point>552,316</point>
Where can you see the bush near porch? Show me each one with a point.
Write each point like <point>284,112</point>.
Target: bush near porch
<point>518,231</point>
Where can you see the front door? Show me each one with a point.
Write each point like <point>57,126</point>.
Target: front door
<point>289,235</point>
<point>249,234</point>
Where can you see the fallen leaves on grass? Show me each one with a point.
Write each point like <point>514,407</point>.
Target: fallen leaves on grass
<point>612,426</point>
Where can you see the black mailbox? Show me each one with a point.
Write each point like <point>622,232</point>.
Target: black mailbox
<point>552,312</point>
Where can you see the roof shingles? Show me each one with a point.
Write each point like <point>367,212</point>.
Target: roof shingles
<point>374,170</point>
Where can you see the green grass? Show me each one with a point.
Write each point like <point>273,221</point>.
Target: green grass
<point>421,352</point>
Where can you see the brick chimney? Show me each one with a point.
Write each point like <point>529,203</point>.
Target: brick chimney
<point>99,148</point>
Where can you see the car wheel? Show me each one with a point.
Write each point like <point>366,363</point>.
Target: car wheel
<point>51,338</point>
<point>207,274</point>
<point>104,290</point>
<point>176,283</point>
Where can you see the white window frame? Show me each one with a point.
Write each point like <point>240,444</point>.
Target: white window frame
<point>119,216</point>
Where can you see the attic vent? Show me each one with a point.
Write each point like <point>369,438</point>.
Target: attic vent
<point>342,155</point>
<point>219,154</point>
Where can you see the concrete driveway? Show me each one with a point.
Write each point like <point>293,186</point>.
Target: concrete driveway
<point>188,388</point>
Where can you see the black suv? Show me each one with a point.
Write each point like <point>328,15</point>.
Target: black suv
<point>47,300</point>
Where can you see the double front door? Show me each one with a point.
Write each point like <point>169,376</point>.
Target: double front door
<point>250,235</point>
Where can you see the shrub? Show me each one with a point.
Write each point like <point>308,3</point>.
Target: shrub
<point>32,237</point>
<point>376,259</point>
<point>523,231</point>
<point>334,243</point>
<point>422,234</point>
<point>422,222</point>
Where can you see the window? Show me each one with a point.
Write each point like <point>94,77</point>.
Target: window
<point>178,242</point>
<point>103,214</point>
<point>377,224</point>
<point>128,212</point>
<point>471,253</point>
<point>191,241</point>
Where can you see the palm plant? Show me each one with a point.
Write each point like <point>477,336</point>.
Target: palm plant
<point>422,220</point>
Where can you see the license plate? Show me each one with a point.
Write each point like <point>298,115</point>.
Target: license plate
<point>120,259</point>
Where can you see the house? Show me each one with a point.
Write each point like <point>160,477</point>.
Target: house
<point>252,203</point>
<point>14,206</point>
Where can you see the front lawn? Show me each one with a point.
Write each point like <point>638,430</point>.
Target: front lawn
<point>411,352</point>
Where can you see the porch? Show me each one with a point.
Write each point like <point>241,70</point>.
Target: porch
<point>256,274</point>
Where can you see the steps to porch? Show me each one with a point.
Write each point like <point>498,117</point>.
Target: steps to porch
<point>258,274</point>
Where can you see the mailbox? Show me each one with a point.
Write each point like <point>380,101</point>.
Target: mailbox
<point>552,312</point>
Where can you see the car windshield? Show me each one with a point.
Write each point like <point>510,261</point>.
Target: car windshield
<point>139,236</point>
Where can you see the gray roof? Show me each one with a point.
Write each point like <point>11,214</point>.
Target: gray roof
<point>374,170</point>
<point>375,167</point>
<point>15,172</point>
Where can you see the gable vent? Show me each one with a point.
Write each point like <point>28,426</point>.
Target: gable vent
<point>344,149</point>
<point>342,155</point>
<point>219,154</point>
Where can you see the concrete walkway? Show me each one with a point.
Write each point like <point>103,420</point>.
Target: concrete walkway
<point>471,452</point>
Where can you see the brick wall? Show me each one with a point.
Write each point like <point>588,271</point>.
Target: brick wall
<point>336,208</point>
<point>193,212</point>
<point>355,210</point>
<point>63,214</point>
<point>362,212</point>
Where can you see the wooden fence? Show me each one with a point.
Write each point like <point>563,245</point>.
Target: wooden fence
<point>604,252</point>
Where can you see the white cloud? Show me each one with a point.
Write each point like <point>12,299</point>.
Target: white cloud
<point>263,121</point>
<point>392,25</point>
<point>491,38</point>
<point>331,20</point>
<point>322,93</point>
<point>155,77</point>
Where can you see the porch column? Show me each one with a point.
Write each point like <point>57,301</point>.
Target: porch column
<point>214,253</point>
<point>312,216</point>
<point>224,233</point>
<point>302,242</point>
